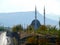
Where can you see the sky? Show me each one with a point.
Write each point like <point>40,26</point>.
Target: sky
<point>52,6</point>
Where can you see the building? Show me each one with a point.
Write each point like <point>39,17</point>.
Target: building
<point>35,23</point>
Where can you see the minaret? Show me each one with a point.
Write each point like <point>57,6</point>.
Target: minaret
<point>35,18</point>
<point>44,15</point>
<point>35,13</point>
<point>59,23</point>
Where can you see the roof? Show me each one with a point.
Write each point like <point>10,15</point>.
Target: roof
<point>36,24</point>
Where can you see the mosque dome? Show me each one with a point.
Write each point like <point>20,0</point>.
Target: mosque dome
<point>36,24</point>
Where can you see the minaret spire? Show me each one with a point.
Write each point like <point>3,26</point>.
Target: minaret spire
<point>44,15</point>
<point>59,23</point>
<point>35,13</point>
<point>35,18</point>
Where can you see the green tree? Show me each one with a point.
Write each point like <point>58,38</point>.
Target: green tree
<point>49,30</point>
<point>2,28</point>
<point>42,29</point>
<point>52,30</point>
<point>30,29</point>
<point>17,28</point>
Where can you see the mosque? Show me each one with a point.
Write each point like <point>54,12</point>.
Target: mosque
<point>36,23</point>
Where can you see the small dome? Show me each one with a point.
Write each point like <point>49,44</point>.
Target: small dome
<point>36,24</point>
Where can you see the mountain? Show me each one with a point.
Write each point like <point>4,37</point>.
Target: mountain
<point>23,18</point>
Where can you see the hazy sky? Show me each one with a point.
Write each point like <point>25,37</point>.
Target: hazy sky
<point>52,6</point>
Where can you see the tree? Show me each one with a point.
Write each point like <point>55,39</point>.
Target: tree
<point>2,28</point>
<point>17,28</point>
<point>30,29</point>
<point>52,30</point>
<point>43,27</point>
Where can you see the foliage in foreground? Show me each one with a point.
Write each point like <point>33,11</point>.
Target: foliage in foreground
<point>44,30</point>
<point>17,28</point>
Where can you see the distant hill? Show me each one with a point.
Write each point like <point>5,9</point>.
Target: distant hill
<point>23,18</point>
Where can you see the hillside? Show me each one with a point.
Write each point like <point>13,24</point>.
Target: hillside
<point>23,18</point>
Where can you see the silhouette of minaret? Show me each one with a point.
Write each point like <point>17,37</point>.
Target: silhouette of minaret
<point>44,15</point>
<point>59,23</point>
<point>35,18</point>
<point>35,13</point>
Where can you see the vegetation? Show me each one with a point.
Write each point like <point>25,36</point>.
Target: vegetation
<point>33,41</point>
<point>36,41</point>
<point>47,30</point>
<point>2,28</point>
<point>43,30</point>
<point>17,28</point>
<point>15,41</point>
<point>16,32</point>
<point>30,29</point>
